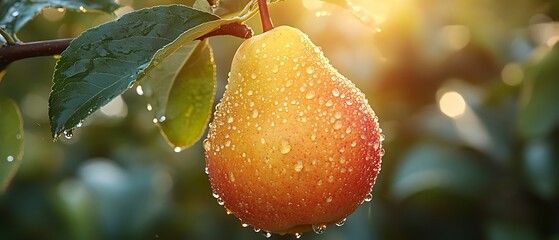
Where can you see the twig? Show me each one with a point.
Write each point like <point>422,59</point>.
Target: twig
<point>17,51</point>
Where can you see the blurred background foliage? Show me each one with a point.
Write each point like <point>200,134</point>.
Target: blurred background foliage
<point>466,91</point>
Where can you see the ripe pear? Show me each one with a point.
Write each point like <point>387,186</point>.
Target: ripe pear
<point>294,145</point>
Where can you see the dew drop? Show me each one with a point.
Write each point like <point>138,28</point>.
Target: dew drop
<point>154,120</point>
<point>330,178</point>
<point>369,197</point>
<point>337,125</point>
<point>319,228</point>
<point>262,140</point>
<point>341,222</point>
<point>139,90</point>
<point>298,235</point>
<point>329,199</point>
<point>275,69</point>
<point>335,92</point>
<point>310,95</point>
<point>15,14</point>
<point>18,136</point>
<point>256,229</point>
<point>317,50</point>
<point>338,115</point>
<point>206,170</point>
<point>267,234</point>
<point>250,92</point>
<point>68,134</point>
<point>220,201</point>
<point>207,144</point>
<point>349,102</point>
<point>376,145</point>
<point>303,88</point>
<point>215,195</point>
<point>381,152</point>
<point>253,76</point>
<point>299,166</point>
<point>228,143</point>
<point>255,113</point>
<point>162,119</point>
<point>285,147</point>
<point>289,83</point>
<point>354,143</point>
<point>177,149</point>
<point>348,130</point>
<point>10,158</point>
<point>230,119</point>
<point>310,69</point>
<point>329,103</point>
<point>149,107</point>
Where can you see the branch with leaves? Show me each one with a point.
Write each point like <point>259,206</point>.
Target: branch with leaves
<point>162,50</point>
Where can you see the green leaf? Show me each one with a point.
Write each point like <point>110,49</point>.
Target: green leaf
<point>202,5</point>
<point>429,166</point>
<point>186,100</point>
<point>14,14</point>
<point>11,141</point>
<point>106,60</point>
<point>539,113</point>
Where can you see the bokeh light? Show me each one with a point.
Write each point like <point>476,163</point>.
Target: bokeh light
<point>452,104</point>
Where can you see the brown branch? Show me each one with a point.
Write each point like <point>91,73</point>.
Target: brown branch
<point>17,51</point>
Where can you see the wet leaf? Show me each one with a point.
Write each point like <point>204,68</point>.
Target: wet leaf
<point>539,113</point>
<point>189,99</point>
<point>106,60</point>
<point>14,14</point>
<point>11,141</point>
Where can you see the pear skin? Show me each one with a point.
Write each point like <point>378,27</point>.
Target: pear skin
<point>294,145</point>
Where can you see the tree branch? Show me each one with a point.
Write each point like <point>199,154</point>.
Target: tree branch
<point>17,51</point>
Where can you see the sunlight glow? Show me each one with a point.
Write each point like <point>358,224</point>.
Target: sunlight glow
<point>452,104</point>
<point>312,4</point>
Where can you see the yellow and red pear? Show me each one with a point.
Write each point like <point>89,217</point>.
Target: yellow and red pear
<point>294,145</point>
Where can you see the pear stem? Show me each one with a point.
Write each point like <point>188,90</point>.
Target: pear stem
<point>267,24</point>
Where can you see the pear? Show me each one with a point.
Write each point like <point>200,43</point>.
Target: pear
<point>294,145</point>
